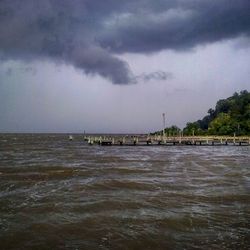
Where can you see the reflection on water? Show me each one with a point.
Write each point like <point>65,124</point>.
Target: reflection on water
<point>61,194</point>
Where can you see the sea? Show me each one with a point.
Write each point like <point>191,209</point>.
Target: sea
<point>62,194</point>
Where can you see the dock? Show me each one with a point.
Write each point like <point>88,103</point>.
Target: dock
<point>156,140</point>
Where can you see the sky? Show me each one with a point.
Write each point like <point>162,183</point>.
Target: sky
<point>115,66</point>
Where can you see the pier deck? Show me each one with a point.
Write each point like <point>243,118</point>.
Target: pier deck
<point>145,140</point>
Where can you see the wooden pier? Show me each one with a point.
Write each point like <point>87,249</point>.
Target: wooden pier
<point>149,140</point>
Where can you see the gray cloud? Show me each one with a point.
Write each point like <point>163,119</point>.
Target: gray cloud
<point>157,75</point>
<point>27,69</point>
<point>8,71</point>
<point>89,33</point>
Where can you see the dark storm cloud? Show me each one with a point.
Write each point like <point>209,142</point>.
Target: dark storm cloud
<point>88,33</point>
<point>179,27</point>
<point>61,30</point>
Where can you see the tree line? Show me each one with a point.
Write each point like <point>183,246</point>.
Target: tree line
<point>230,116</point>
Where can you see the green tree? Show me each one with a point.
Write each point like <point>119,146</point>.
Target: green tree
<point>231,115</point>
<point>173,130</point>
<point>222,125</point>
<point>192,127</point>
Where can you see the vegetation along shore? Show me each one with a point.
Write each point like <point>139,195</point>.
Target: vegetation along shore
<point>231,116</point>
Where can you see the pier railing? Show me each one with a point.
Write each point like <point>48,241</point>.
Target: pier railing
<point>153,140</point>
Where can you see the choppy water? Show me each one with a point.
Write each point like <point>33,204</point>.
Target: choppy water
<point>60,194</point>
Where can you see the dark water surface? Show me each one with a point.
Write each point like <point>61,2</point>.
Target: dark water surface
<point>60,194</point>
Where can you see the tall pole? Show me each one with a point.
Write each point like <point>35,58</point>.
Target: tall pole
<point>164,124</point>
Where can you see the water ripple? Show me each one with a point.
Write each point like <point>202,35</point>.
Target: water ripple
<point>60,194</point>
